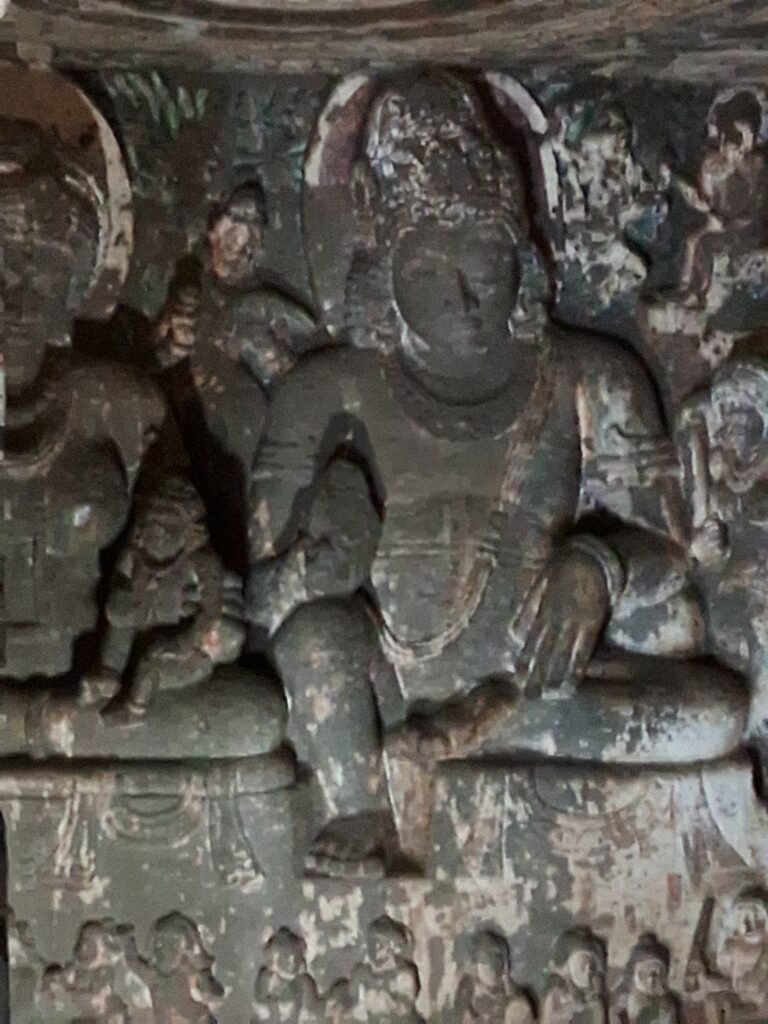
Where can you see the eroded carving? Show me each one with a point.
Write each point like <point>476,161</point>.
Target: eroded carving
<point>103,982</point>
<point>612,208</point>
<point>453,359</point>
<point>723,440</point>
<point>285,991</point>
<point>726,974</point>
<point>729,193</point>
<point>487,554</point>
<point>576,992</point>
<point>107,980</point>
<point>182,982</point>
<point>644,993</point>
<point>74,432</point>
<point>386,984</point>
<point>714,301</point>
<point>486,991</point>
<point>25,968</point>
<point>230,327</point>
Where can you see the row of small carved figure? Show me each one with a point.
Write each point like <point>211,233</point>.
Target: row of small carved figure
<point>109,979</point>
<point>386,986</point>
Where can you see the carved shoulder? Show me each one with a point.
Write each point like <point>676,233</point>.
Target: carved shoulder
<point>614,381</point>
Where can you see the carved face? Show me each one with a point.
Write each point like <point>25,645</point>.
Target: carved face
<point>235,240</point>
<point>34,281</point>
<point>91,950</point>
<point>735,123</point>
<point>286,958</point>
<point>650,976</point>
<point>48,249</point>
<point>450,214</point>
<point>169,950</point>
<point>455,288</point>
<point>741,140</point>
<point>740,452</point>
<point>160,541</point>
<point>384,948</point>
<point>490,966</point>
<point>223,642</point>
<point>585,971</point>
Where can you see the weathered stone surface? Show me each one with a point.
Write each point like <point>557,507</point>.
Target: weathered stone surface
<point>382,547</point>
<point>684,39</point>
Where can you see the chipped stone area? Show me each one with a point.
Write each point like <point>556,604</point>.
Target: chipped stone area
<point>674,855</point>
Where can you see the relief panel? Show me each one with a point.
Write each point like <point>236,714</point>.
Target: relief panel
<point>381,610</point>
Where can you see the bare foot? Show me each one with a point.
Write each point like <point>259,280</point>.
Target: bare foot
<point>97,689</point>
<point>356,847</point>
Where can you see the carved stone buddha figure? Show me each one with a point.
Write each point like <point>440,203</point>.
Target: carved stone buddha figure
<point>644,995</point>
<point>487,435</point>
<point>486,991</point>
<point>383,522</point>
<point>74,432</point>
<point>386,985</point>
<point>182,981</point>
<point>576,992</point>
<point>285,993</point>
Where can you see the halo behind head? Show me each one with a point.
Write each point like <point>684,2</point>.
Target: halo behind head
<point>92,162</point>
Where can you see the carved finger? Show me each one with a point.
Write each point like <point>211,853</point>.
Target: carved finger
<point>559,671</point>
<point>536,651</point>
<point>522,626</point>
<point>581,655</point>
<point>234,601</point>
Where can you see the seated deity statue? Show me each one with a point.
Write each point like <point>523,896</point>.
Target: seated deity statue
<point>385,986</point>
<point>181,978</point>
<point>643,996</point>
<point>486,993</point>
<point>576,992</point>
<point>75,430</point>
<point>487,440</point>
<point>285,992</point>
<point>100,984</point>
<point>174,631</point>
<point>75,438</point>
<point>727,978</point>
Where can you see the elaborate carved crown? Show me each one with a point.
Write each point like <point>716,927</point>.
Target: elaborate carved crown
<point>431,150</point>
